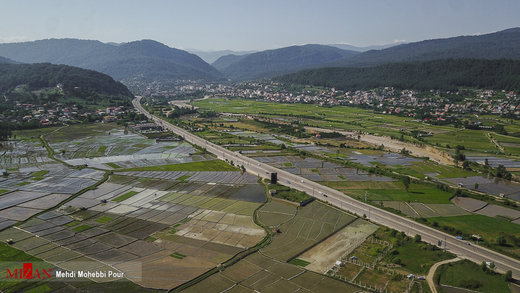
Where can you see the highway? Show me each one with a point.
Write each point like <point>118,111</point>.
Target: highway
<point>461,248</point>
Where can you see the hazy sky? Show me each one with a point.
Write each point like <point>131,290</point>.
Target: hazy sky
<point>253,24</point>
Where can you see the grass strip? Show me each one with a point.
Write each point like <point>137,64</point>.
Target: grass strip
<point>125,196</point>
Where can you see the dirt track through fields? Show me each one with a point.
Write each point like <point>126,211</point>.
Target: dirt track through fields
<point>395,145</point>
<point>431,273</point>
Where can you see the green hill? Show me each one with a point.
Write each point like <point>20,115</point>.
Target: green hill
<point>440,74</point>
<point>81,85</point>
<point>144,60</point>
<point>499,45</point>
<point>270,63</point>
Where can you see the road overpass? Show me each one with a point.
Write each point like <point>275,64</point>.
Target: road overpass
<point>336,198</point>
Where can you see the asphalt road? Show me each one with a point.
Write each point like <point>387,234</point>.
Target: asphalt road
<point>336,198</point>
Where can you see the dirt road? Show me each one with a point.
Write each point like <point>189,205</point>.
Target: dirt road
<point>431,273</point>
<point>395,145</point>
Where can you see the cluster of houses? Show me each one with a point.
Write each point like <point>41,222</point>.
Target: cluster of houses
<point>57,114</point>
<point>428,106</point>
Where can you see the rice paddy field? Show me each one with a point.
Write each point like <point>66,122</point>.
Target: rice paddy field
<point>168,213</point>
<point>263,274</point>
<point>124,224</point>
<point>313,223</point>
<point>319,170</point>
<point>108,146</point>
<point>178,219</point>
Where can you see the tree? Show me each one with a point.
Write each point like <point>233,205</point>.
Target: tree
<point>465,165</point>
<point>459,156</point>
<point>501,240</point>
<point>417,238</point>
<point>508,276</point>
<point>483,266</point>
<point>406,182</point>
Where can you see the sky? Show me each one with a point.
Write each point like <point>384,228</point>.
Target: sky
<point>253,24</point>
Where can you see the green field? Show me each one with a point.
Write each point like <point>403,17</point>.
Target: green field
<point>125,196</point>
<point>33,134</point>
<point>183,177</point>
<point>355,119</point>
<point>466,274</point>
<point>485,227</point>
<point>381,191</point>
<point>178,255</point>
<point>289,194</point>
<point>212,165</point>
<point>79,131</point>
<point>427,168</point>
<point>104,219</point>
<point>113,165</point>
<point>414,257</point>
<point>311,225</point>
<point>299,262</point>
<point>476,140</point>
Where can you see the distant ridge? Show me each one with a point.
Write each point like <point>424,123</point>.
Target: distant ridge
<point>498,45</point>
<point>212,56</point>
<point>144,60</point>
<point>274,62</point>
<point>4,60</point>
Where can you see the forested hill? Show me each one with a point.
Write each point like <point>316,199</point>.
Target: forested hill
<point>275,62</point>
<point>75,81</point>
<point>444,74</point>
<point>144,60</point>
<point>498,45</point>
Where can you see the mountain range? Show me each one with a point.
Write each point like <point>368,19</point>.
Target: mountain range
<point>144,60</point>
<point>502,44</point>
<point>212,56</point>
<point>367,48</point>
<point>148,60</point>
<point>270,63</point>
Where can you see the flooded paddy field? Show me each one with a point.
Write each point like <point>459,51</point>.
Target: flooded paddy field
<point>491,185</point>
<point>389,159</point>
<point>17,154</point>
<point>115,148</point>
<point>319,170</point>
<point>495,161</point>
<point>30,193</point>
<point>487,209</point>
<point>168,227</point>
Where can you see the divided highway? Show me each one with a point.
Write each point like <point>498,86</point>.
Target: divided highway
<point>336,198</point>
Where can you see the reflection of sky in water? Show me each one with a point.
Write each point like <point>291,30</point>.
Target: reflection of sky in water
<point>490,185</point>
<point>389,159</point>
<point>494,161</point>
<point>326,171</point>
